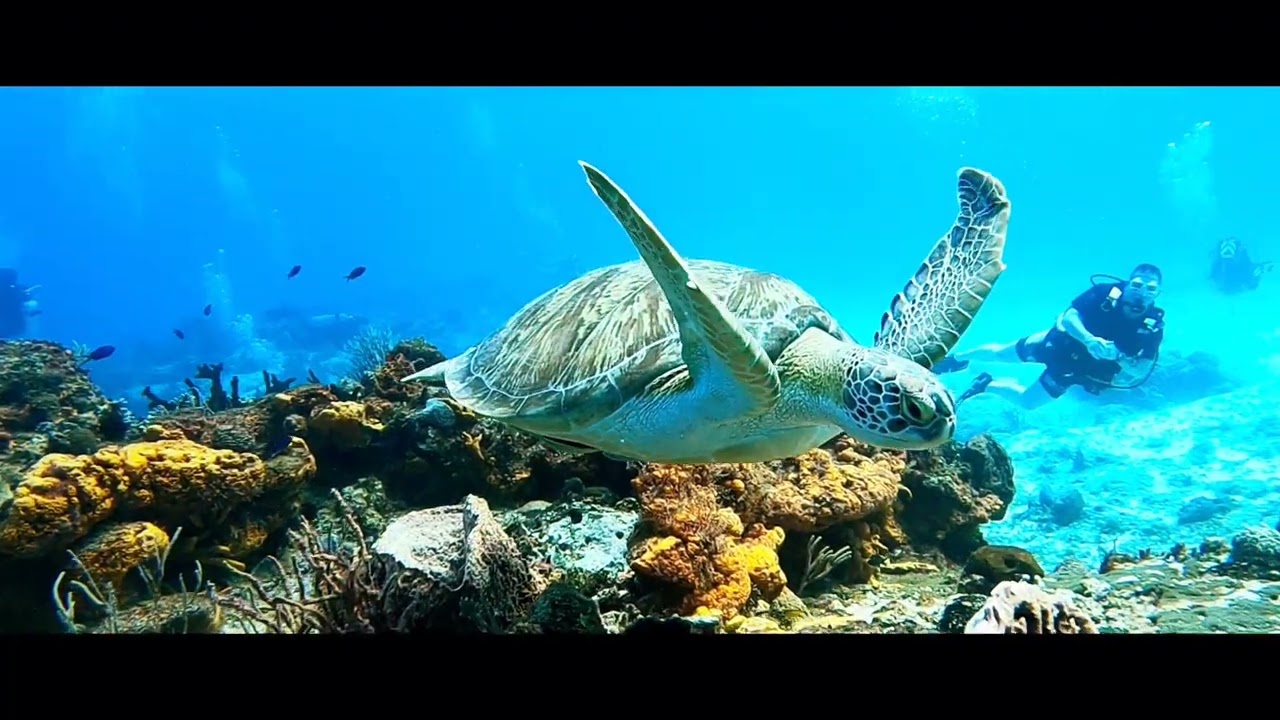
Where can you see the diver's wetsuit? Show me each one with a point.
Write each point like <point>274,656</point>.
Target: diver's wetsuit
<point>13,310</point>
<point>1235,272</point>
<point>1067,362</point>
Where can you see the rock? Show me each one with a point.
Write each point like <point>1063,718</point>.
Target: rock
<point>437,413</point>
<point>451,567</point>
<point>191,613</point>
<point>1065,505</point>
<point>1020,608</point>
<point>1203,509</point>
<point>573,489</point>
<point>743,625</point>
<point>787,607</point>
<point>958,611</point>
<point>699,625</point>
<point>1254,553</point>
<point>586,541</point>
<point>991,565</point>
<point>563,609</point>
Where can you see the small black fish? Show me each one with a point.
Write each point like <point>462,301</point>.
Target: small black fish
<point>355,273</point>
<point>181,335</point>
<point>296,269</point>
<point>101,353</point>
<point>276,446</point>
<point>208,310</point>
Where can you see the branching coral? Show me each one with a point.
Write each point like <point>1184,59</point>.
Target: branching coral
<point>820,560</point>
<point>217,399</point>
<point>325,587</point>
<point>368,350</point>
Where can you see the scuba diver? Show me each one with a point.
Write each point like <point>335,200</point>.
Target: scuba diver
<point>1110,327</point>
<point>16,305</point>
<point>1233,270</point>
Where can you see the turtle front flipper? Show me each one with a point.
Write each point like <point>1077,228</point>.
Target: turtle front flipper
<point>939,302</point>
<point>713,342</point>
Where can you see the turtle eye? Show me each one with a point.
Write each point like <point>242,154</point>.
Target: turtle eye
<point>918,411</point>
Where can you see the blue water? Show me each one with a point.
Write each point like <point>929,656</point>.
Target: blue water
<point>132,209</point>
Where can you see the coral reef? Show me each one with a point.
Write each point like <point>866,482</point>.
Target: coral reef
<point>48,404</point>
<point>372,505</point>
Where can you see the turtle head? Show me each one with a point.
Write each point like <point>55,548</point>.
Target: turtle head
<point>889,401</point>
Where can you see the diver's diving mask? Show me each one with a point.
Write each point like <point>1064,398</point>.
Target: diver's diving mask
<point>1147,287</point>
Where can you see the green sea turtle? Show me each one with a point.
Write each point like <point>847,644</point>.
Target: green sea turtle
<point>664,359</point>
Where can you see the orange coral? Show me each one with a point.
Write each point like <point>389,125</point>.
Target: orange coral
<point>822,488</point>
<point>63,497</point>
<point>809,493</point>
<point>702,547</point>
<point>113,551</point>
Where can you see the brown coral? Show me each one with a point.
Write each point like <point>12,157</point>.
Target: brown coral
<point>703,548</point>
<point>62,497</point>
<point>954,490</point>
<point>250,428</point>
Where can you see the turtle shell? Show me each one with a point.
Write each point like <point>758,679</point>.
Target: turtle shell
<point>577,353</point>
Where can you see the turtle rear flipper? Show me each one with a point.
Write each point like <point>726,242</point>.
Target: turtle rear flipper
<point>926,319</point>
<point>716,347</point>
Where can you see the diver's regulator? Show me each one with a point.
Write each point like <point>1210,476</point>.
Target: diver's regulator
<point>1153,322</point>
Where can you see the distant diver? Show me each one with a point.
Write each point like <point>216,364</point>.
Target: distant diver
<point>1110,327</point>
<point>16,305</point>
<point>1233,270</point>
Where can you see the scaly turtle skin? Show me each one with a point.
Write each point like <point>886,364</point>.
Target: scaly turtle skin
<point>667,360</point>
